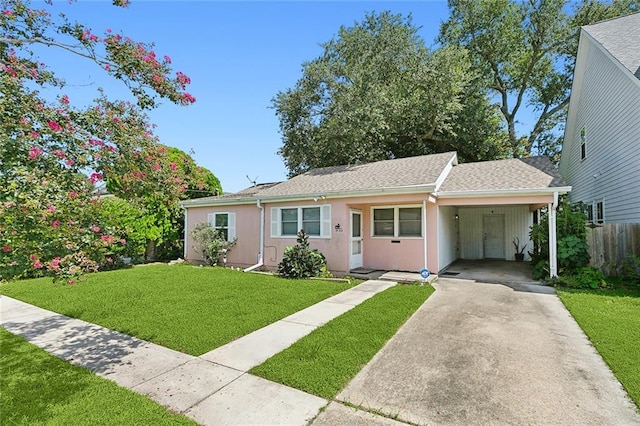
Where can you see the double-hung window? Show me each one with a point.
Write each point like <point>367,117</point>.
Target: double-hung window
<point>224,223</point>
<point>287,221</point>
<point>397,222</point>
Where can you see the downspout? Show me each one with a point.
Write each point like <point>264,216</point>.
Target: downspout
<point>260,254</point>
<point>424,224</point>
<point>185,246</point>
<point>553,246</point>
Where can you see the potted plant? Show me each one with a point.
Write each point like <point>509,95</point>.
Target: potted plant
<point>519,251</point>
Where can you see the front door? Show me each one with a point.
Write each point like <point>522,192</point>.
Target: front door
<point>355,257</point>
<point>493,229</point>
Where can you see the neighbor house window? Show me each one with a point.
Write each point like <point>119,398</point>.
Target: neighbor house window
<point>600,212</point>
<point>583,144</point>
<point>589,208</point>
<point>397,222</point>
<point>224,223</point>
<point>287,221</point>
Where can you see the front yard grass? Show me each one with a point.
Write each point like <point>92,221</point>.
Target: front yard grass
<point>38,388</point>
<point>189,309</point>
<point>611,320</point>
<point>323,362</point>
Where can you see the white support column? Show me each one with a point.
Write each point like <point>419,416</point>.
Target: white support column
<point>553,242</point>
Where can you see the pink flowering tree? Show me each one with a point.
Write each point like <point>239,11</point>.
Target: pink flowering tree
<point>52,154</point>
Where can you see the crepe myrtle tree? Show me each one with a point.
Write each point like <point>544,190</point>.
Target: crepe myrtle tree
<point>52,154</point>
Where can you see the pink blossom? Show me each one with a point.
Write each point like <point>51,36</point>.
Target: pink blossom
<point>23,120</point>
<point>59,153</point>
<point>123,242</point>
<point>95,177</point>
<point>6,249</point>
<point>156,166</point>
<point>107,67</point>
<point>34,134</point>
<point>183,80</point>
<point>187,99</point>
<point>55,263</point>
<point>95,228</point>
<point>55,224</point>
<point>7,12</point>
<point>51,208</point>
<point>9,204</point>
<point>33,257</point>
<point>167,59</point>
<point>37,265</point>
<point>173,166</point>
<point>35,152</point>
<point>54,126</point>
<point>108,30</point>
<point>65,100</point>
<point>69,162</point>
<point>107,238</point>
<point>71,282</point>
<point>73,194</point>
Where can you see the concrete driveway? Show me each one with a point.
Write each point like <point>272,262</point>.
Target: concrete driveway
<point>479,353</point>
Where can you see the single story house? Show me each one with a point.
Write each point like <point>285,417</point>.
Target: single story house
<point>402,214</point>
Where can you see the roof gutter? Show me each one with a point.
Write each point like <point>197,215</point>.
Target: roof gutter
<point>503,192</point>
<point>398,190</point>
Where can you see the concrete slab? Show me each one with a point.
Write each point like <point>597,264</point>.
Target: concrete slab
<point>251,400</point>
<point>374,286</point>
<point>479,353</point>
<point>185,386</point>
<point>337,414</point>
<point>17,312</point>
<point>319,314</point>
<point>253,349</point>
<point>124,359</point>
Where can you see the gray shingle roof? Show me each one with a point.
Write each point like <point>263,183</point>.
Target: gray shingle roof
<point>621,37</point>
<point>245,193</point>
<point>401,172</point>
<point>510,174</point>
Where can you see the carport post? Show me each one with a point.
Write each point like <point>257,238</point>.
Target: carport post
<point>553,246</point>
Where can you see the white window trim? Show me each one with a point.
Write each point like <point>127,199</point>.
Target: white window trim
<point>596,219</point>
<point>231,223</point>
<point>325,221</point>
<point>396,222</point>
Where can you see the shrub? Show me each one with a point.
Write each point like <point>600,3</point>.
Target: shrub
<point>210,242</point>
<point>583,278</point>
<point>573,253</point>
<point>631,271</point>
<point>301,262</point>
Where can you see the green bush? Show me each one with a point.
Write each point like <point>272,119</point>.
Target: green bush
<point>210,243</point>
<point>573,253</point>
<point>300,261</point>
<point>631,271</point>
<point>583,278</point>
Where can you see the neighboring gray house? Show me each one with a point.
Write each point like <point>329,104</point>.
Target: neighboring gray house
<point>601,150</point>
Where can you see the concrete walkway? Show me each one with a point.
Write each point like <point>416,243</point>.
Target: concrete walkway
<point>212,389</point>
<point>477,353</point>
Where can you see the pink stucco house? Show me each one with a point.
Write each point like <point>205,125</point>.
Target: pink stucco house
<point>402,214</point>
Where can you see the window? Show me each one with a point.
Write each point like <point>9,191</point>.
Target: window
<point>589,208</point>
<point>224,223</point>
<point>287,221</point>
<point>600,212</point>
<point>397,222</point>
<point>583,145</point>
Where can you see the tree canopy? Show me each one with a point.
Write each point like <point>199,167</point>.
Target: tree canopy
<point>53,154</point>
<point>525,51</point>
<point>377,92</point>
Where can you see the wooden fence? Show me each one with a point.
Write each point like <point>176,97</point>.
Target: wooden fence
<point>610,243</point>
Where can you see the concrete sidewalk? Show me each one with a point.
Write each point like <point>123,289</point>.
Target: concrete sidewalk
<point>214,388</point>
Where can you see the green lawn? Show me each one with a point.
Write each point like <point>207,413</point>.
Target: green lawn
<point>189,309</point>
<point>611,319</point>
<point>40,389</point>
<point>323,362</point>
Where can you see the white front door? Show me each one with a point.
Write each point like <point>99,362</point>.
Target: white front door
<point>355,257</point>
<point>493,229</point>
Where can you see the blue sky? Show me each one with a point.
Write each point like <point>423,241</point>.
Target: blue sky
<point>238,56</point>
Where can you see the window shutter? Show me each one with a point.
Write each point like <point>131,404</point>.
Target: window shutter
<point>211,219</point>
<point>275,222</point>
<point>231,226</point>
<point>325,218</point>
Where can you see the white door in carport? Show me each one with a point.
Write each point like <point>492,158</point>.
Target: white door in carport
<point>493,232</point>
